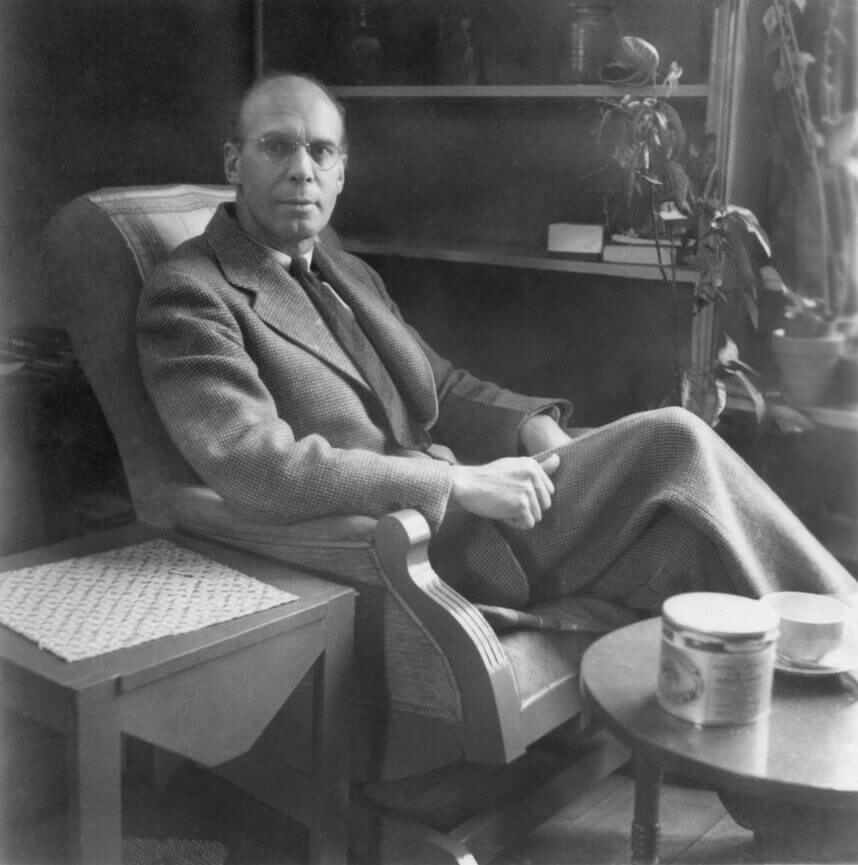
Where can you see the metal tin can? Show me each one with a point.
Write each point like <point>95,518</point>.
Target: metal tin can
<point>717,658</point>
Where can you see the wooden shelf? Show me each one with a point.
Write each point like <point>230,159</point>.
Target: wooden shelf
<point>832,417</point>
<point>508,256</point>
<point>512,91</point>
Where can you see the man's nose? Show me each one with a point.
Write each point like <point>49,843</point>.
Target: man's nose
<point>300,165</point>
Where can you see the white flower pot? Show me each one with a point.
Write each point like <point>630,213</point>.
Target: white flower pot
<point>806,364</point>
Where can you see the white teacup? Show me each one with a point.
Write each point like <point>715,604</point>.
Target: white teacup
<point>811,625</point>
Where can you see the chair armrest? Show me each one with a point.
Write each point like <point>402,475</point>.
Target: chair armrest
<point>203,507</point>
<point>326,545</point>
<point>491,705</point>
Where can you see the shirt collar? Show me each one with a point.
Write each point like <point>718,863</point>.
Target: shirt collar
<point>286,260</point>
<point>282,258</point>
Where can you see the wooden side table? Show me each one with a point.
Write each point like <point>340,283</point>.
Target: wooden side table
<point>794,771</point>
<point>206,695</point>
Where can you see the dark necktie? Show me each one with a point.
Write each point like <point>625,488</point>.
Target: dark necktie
<point>348,332</point>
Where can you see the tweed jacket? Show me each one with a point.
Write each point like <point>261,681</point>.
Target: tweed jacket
<point>271,412</point>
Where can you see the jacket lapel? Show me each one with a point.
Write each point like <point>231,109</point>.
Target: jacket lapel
<point>282,304</point>
<point>278,300</point>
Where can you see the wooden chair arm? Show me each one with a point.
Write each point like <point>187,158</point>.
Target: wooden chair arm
<point>490,701</point>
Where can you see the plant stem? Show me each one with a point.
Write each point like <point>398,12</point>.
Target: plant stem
<point>796,88</point>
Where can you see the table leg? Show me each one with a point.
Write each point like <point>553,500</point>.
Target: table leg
<point>331,747</point>
<point>646,827</point>
<point>95,791</point>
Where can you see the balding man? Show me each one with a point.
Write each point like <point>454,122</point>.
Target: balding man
<point>289,381</point>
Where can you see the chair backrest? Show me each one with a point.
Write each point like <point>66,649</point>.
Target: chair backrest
<point>97,252</point>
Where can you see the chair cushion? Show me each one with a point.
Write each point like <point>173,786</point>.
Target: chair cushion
<point>545,643</point>
<point>542,660</point>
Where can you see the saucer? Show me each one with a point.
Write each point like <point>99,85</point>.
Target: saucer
<point>843,659</point>
<point>840,660</point>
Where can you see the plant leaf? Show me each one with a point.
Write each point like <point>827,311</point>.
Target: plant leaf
<point>751,308</point>
<point>728,353</point>
<point>805,59</point>
<point>752,224</point>
<point>842,139</point>
<point>639,54</point>
<point>754,395</point>
<point>677,130</point>
<point>679,184</point>
<point>738,253</point>
<point>772,280</point>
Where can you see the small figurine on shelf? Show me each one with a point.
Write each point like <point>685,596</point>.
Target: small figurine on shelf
<point>364,57</point>
<point>458,51</point>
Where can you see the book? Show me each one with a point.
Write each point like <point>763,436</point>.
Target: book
<point>628,253</point>
<point>634,240</point>
<point>578,239</point>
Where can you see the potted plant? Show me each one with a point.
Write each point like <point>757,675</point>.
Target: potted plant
<point>809,346</point>
<point>671,194</point>
<point>811,49</point>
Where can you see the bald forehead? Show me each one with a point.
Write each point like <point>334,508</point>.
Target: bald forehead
<point>288,96</point>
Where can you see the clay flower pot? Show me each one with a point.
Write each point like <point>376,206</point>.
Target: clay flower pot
<point>806,364</point>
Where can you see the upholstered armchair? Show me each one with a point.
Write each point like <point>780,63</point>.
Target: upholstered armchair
<point>434,685</point>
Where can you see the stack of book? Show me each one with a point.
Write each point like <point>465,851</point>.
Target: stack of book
<point>629,249</point>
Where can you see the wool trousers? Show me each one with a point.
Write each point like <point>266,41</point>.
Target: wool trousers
<point>644,508</point>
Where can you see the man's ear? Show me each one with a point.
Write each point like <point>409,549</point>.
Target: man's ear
<point>341,180</point>
<point>231,154</point>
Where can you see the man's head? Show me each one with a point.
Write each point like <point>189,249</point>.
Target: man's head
<point>287,161</point>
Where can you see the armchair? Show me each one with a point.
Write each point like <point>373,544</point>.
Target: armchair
<point>434,686</point>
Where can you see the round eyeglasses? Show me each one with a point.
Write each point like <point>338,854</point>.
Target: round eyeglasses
<point>278,149</point>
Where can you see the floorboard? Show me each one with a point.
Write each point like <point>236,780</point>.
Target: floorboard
<point>593,830</point>
<point>694,829</point>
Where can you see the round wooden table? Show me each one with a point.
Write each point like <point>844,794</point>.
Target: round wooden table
<point>791,776</point>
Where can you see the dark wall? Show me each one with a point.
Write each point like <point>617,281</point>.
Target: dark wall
<point>607,344</point>
<point>107,92</point>
<point>494,173</point>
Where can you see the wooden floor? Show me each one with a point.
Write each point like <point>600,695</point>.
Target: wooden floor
<point>695,829</point>
<point>694,825</point>
<point>237,830</point>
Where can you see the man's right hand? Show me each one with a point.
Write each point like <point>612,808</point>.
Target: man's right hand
<point>513,490</point>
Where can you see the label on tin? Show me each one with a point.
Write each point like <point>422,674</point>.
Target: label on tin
<point>715,687</point>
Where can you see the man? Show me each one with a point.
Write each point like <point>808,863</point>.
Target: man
<point>296,395</point>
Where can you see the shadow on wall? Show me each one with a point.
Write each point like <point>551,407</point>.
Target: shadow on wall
<point>107,92</point>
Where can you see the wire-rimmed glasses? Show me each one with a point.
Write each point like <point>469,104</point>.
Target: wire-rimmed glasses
<point>277,149</point>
